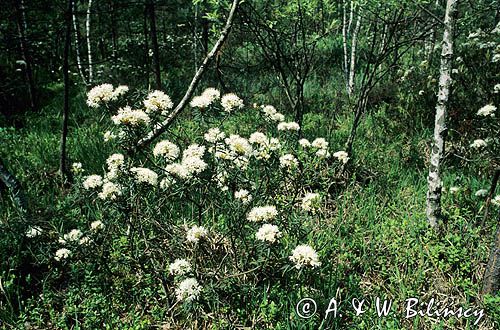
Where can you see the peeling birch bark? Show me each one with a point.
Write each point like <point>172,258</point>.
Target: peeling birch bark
<point>433,210</point>
<point>89,48</point>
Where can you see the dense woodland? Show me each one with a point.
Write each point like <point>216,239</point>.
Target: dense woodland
<point>207,164</point>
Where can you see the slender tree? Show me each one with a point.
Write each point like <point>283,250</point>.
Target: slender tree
<point>89,46</point>
<point>22,27</point>
<point>434,179</point>
<point>491,279</point>
<point>150,7</point>
<point>77,44</point>
<point>63,169</point>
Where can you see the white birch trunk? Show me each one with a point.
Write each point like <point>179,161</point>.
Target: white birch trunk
<point>344,44</point>
<point>77,47</point>
<point>87,25</point>
<point>434,179</point>
<point>354,40</point>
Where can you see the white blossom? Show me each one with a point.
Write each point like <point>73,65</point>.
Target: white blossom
<point>243,195</point>
<point>288,161</point>
<point>127,116</point>
<point>195,233</point>
<point>92,182</point>
<point>479,143</point>
<point>304,255</point>
<point>487,110</point>
<point>179,267</point>
<point>110,191</point>
<point>262,213</point>
<point>269,233</point>
<point>214,135</point>
<point>341,156</point>
<point>481,193</point>
<point>100,94</point>
<point>96,225</point>
<point>290,126</point>
<point>158,101</point>
<point>77,168</point>
<point>188,290</point>
<point>166,149</point>
<point>62,254</point>
<point>231,102</point>
<point>145,175</point>
<point>33,232</point>
<point>311,202</point>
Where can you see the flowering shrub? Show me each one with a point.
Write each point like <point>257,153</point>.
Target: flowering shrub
<point>198,212</point>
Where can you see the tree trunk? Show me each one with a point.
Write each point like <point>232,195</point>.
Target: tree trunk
<point>114,33</point>
<point>491,279</point>
<point>493,188</point>
<point>146,47</point>
<point>23,42</point>
<point>63,168</point>
<point>89,47</point>
<point>354,40</point>
<point>77,45</point>
<point>344,46</point>
<point>154,42</point>
<point>434,179</point>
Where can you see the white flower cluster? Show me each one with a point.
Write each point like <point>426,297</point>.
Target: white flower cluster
<point>92,182</point>
<point>271,114</point>
<point>110,191</point>
<point>496,200</point>
<point>304,255</point>
<point>268,233</point>
<point>166,149</point>
<point>158,101</point>
<point>231,102</point>
<point>263,145</point>
<point>206,98</point>
<point>214,135</point>
<point>115,164</point>
<point>290,126</point>
<point>192,163</point>
<point>62,254</point>
<point>262,213</point>
<point>288,161</point>
<point>145,175</point>
<point>109,136</point>
<point>75,235</point>
<point>179,267</point>
<point>243,195</point>
<point>342,156</point>
<point>478,143</point>
<point>188,290</point>
<point>104,93</point>
<point>128,117</point>
<point>77,168</point>
<point>96,225</point>
<point>237,149</point>
<point>33,232</point>
<point>311,202</point>
<point>319,145</point>
<point>487,110</point>
<point>195,233</point>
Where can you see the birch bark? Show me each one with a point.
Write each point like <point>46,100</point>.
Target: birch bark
<point>89,47</point>
<point>433,210</point>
